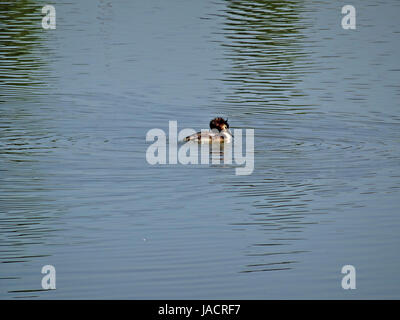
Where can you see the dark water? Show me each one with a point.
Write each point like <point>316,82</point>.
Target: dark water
<point>77,193</point>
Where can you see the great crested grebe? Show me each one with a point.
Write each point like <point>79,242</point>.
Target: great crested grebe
<point>219,133</point>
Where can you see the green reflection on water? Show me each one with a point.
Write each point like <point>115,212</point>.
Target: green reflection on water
<point>264,47</point>
<point>22,52</point>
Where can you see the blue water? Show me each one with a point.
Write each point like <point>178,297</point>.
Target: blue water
<point>76,191</point>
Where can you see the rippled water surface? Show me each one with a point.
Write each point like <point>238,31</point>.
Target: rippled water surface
<point>76,191</point>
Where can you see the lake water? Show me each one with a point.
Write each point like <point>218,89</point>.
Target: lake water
<point>76,191</point>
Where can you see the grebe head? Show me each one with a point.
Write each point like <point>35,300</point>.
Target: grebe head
<point>220,124</point>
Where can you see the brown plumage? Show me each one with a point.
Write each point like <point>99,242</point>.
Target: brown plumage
<point>219,124</point>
